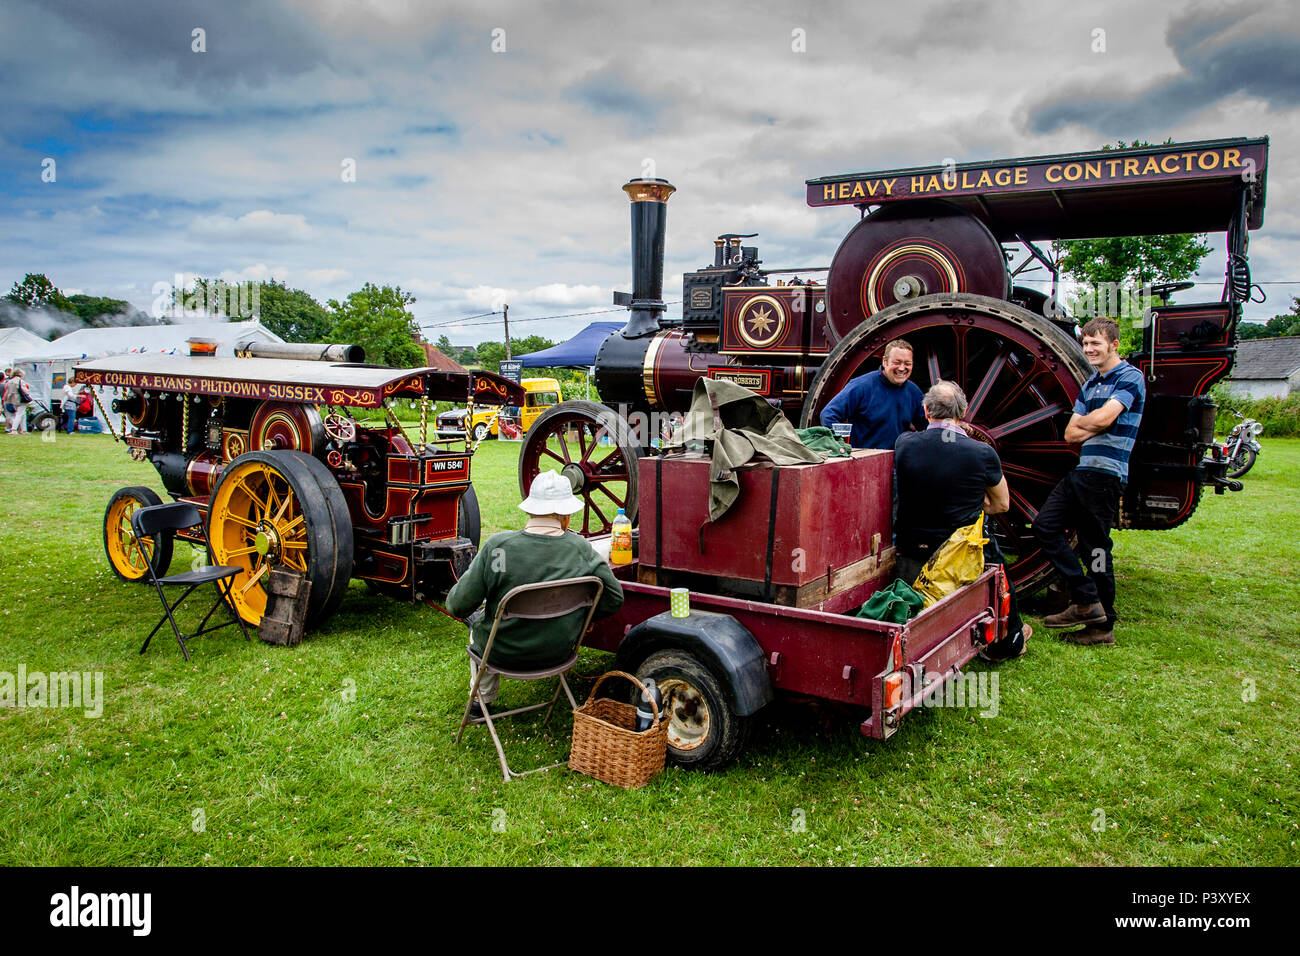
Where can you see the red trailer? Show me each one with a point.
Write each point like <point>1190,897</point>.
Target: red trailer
<point>761,626</point>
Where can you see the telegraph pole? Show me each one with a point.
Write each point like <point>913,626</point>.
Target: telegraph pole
<point>505,311</point>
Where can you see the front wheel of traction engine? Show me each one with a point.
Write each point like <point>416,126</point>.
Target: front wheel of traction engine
<point>126,556</point>
<point>281,509</point>
<point>704,733</point>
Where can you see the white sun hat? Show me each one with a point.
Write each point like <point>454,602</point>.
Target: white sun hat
<point>551,494</point>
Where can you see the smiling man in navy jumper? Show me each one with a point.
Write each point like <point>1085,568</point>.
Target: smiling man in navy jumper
<point>881,405</point>
<point>1106,417</point>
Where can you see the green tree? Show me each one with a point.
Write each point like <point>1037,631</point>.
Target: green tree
<point>220,299</point>
<point>1286,324</point>
<point>98,311</point>
<point>377,319</point>
<point>1129,262</point>
<point>444,345</point>
<point>488,354</point>
<point>293,314</point>
<point>36,291</point>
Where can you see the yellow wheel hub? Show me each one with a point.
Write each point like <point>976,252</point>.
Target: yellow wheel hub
<point>129,556</point>
<point>255,522</point>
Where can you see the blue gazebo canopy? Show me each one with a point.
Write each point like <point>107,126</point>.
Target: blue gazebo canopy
<point>577,352</point>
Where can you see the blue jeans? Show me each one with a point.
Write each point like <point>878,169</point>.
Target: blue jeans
<point>70,419</point>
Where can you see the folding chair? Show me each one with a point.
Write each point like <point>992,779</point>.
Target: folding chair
<point>176,517</point>
<point>544,600</point>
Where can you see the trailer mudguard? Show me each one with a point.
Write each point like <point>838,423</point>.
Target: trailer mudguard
<point>719,641</point>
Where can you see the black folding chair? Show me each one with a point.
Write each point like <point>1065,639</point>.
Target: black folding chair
<point>178,516</point>
<point>544,600</point>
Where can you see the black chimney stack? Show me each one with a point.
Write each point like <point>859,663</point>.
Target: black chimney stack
<point>649,222</point>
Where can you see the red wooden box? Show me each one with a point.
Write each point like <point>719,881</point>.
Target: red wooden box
<point>828,517</point>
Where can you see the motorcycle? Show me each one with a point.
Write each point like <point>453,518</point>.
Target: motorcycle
<point>1242,446</point>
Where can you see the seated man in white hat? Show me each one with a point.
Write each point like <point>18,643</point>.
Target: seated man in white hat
<point>545,550</point>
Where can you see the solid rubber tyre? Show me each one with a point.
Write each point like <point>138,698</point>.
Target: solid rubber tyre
<point>704,733</point>
<point>288,503</point>
<point>124,555</point>
<point>468,520</point>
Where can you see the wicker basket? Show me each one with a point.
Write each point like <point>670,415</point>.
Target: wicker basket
<point>605,742</point>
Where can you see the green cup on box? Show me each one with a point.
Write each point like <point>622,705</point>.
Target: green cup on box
<point>679,601</point>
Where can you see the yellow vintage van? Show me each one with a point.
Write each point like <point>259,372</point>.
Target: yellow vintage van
<point>539,395</point>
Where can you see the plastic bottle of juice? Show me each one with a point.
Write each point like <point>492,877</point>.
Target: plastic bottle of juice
<point>620,546</point>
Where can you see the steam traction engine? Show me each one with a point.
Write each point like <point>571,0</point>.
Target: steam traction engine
<point>927,261</point>
<point>266,447</point>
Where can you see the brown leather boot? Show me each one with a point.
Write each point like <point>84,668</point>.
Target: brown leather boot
<point>1077,614</point>
<point>1092,635</point>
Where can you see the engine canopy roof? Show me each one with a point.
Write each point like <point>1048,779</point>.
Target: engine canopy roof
<point>1151,190</point>
<point>363,386</point>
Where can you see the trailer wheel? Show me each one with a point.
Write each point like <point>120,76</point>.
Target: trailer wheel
<point>704,733</point>
<point>281,508</point>
<point>126,556</point>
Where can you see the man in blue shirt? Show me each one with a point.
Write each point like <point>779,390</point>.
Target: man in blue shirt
<point>882,404</point>
<point>1106,417</point>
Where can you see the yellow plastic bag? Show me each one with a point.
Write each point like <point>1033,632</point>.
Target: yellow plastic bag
<point>959,562</point>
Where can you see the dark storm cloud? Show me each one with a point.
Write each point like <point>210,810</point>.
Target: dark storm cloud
<point>245,40</point>
<point>1223,51</point>
<point>610,89</point>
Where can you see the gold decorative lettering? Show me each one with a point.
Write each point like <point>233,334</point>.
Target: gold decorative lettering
<point>1092,170</point>
<point>1055,168</point>
<point>1210,155</point>
<point>1075,168</point>
<point>889,186</point>
<point>1114,166</point>
<point>1151,167</point>
<point>1002,177</point>
<point>1231,157</point>
<point>1164,164</point>
<point>1022,175</point>
<point>1130,167</point>
<point>857,190</point>
<point>918,184</point>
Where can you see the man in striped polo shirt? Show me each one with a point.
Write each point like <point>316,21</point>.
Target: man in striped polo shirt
<point>1105,420</point>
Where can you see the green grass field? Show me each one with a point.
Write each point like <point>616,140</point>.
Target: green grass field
<point>1177,746</point>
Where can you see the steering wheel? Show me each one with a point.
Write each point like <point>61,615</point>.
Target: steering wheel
<point>340,427</point>
<point>1164,290</point>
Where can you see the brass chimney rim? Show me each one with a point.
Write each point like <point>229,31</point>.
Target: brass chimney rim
<point>649,190</point>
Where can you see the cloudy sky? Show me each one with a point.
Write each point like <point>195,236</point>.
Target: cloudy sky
<point>489,141</point>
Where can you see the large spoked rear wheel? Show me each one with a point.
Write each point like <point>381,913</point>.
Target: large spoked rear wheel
<point>1021,375</point>
<point>281,509</point>
<point>595,448</point>
<point>128,557</point>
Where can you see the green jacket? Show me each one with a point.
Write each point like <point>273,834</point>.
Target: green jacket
<point>512,558</point>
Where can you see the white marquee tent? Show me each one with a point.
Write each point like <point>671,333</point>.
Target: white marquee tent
<point>47,370</point>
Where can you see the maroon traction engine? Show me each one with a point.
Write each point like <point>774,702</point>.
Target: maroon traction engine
<point>928,261</point>
<point>265,445</point>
